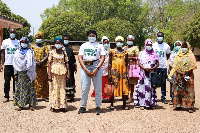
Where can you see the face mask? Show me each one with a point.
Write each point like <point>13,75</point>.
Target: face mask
<point>24,45</point>
<point>184,50</point>
<point>160,39</point>
<point>58,46</point>
<point>177,48</point>
<point>92,39</point>
<point>148,48</point>
<point>12,35</point>
<point>119,44</point>
<point>38,40</point>
<point>66,42</point>
<point>106,45</point>
<point>130,43</point>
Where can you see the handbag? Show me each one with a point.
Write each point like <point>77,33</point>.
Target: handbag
<point>109,89</point>
<point>134,70</point>
<point>156,79</point>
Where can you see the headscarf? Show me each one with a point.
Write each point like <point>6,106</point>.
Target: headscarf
<point>39,34</point>
<point>119,38</point>
<point>102,40</point>
<point>131,36</point>
<point>92,31</point>
<point>184,61</point>
<point>175,50</point>
<point>23,51</point>
<point>58,38</point>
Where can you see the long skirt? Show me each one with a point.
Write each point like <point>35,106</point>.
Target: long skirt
<point>25,92</point>
<point>57,92</point>
<point>104,81</point>
<point>145,95</point>
<point>184,93</point>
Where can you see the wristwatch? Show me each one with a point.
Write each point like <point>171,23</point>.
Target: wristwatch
<point>98,68</point>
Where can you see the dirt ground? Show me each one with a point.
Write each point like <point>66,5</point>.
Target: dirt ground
<point>161,119</point>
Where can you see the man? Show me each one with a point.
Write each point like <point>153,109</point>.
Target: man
<point>163,51</point>
<point>8,47</point>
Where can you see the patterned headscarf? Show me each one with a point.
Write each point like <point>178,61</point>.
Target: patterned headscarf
<point>119,38</point>
<point>150,55</point>
<point>39,34</point>
<point>22,50</point>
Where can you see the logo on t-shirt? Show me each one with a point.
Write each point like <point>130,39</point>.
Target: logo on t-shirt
<point>11,50</point>
<point>90,52</point>
<point>161,53</point>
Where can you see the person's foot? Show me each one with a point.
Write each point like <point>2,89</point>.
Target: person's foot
<point>191,110</point>
<point>19,109</point>
<point>98,110</point>
<point>142,108</point>
<point>112,107</point>
<point>125,108</point>
<point>82,110</point>
<point>52,109</point>
<point>171,102</point>
<point>46,99</point>
<point>6,100</point>
<point>32,109</point>
<point>164,101</point>
<point>129,101</point>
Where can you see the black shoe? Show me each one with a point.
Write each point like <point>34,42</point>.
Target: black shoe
<point>82,110</point>
<point>164,101</point>
<point>98,110</point>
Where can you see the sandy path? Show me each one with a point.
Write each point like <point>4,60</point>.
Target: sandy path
<point>161,119</point>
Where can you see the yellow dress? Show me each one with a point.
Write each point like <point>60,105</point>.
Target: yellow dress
<point>41,81</point>
<point>119,74</point>
<point>57,93</point>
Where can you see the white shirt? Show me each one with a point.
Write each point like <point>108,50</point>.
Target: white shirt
<point>162,50</point>
<point>91,51</point>
<point>10,47</point>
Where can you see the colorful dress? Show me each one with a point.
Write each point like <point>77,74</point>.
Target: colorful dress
<point>41,82</point>
<point>145,95</point>
<point>57,92</point>
<point>119,73</point>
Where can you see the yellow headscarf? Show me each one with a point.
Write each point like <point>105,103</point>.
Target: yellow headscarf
<point>119,38</point>
<point>39,34</point>
<point>184,61</point>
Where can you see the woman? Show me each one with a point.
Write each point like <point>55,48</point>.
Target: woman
<point>91,57</point>
<point>177,46</point>
<point>58,71</point>
<point>70,85</point>
<point>132,60</point>
<point>41,56</point>
<point>118,62</point>
<point>24,65</point>
<point>184,64</point>
<point>106,45</point>
<point>145,95</point>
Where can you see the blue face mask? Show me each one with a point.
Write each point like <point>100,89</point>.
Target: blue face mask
<point>106,45</point>
<point>184,50</point>
<point>92,39</point>
<point>177,48</point>
<point>58,46</point>
<point>24,45</point>
<point>12,35</point>
<point>119,44</point>
<point>66,42</point>
<point>130,43</point>
<point>38,40</point>
<point>160,39</point>
<point>148,48</point>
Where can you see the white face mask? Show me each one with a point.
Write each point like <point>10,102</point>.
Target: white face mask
<point>12,35</point>
<point>92,39</point>
<point>24,45</point>
<point>38,40</point>
<point>119,44</point>
<point>160,39</point>
<point>58,46</point>
<point>66,42</point>
<point>148,48</point>
<point>184,50</point>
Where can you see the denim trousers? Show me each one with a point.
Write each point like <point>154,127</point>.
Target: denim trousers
<point>86,82</point>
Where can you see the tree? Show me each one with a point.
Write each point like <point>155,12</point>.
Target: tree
<point>74,24</point>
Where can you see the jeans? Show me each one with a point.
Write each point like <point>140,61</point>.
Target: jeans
<point>86,82</point>
<point>8,73</point>
<point>163,88</point>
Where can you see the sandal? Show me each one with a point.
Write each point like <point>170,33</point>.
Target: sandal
<point>112,107</point>
<point>129,101</point>
<point>19,109</point>
<point>31,108</point>
<point>191,111</point>
<point>142,108</point>
<point>125,108</point>
<point>46,99</point>
<point>52,109</point>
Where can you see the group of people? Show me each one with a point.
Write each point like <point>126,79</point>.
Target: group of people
<point>122,67</point>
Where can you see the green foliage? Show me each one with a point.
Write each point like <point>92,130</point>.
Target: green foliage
<point>74,24</point>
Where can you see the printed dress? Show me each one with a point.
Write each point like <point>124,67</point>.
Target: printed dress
<point>119,74</point>
<point>57,93</point>
<point>41,82</point>
<point>145,95</point>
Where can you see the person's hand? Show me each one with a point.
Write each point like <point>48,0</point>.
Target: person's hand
<point>146,69</point>
<point>75,65</point>
<point>94,73</point>
<point>150,69</point>
<point>16,77</point>
<point>1,68</point>
<point>67,77</point>
<point>88,73</point>
<point>49,78</point>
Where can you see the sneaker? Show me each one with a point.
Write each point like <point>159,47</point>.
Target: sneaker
<point>98,110</point>
<point>82,110</point>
